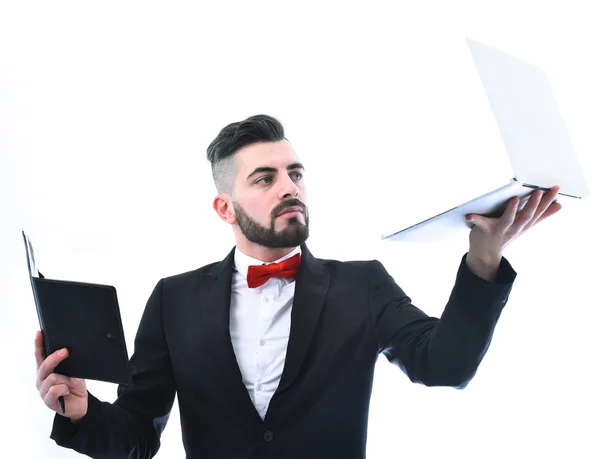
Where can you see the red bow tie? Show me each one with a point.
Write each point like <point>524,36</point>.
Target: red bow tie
<point>259,274</point>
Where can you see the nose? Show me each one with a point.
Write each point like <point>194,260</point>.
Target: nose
<point>289,189</point>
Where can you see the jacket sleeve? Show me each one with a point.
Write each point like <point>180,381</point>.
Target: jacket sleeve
<point>131,426</point>
<point>443,351</point>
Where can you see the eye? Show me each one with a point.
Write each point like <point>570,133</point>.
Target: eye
<point>262,180</point>
<point>298,174</point>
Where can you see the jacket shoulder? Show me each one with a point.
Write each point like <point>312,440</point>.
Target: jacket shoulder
<point>187,277</point>
<point>348,268</point>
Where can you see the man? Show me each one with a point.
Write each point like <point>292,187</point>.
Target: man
<point>277,361</point>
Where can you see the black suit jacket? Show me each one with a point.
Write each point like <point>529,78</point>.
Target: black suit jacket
<point>344,315</point>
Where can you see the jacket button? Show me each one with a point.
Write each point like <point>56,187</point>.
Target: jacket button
<point>268,436</point>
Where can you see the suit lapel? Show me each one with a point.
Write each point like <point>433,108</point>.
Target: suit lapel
<point>312,283</point>
<point>215,305</point>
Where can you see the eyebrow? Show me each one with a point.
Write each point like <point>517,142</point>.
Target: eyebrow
<point>262,169</point>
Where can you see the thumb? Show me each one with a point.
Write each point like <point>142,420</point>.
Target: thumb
<point>480,221</point>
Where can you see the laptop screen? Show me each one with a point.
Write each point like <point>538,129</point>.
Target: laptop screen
<point>529,121</point>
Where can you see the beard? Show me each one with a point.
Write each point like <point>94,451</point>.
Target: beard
<point>294,234</point>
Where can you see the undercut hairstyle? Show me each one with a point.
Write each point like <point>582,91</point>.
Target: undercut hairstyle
<point>235,136</point>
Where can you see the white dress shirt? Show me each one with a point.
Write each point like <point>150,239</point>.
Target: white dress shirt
<point>259,324</point>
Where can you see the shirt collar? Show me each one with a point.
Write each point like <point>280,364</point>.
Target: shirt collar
<point>242,261</point>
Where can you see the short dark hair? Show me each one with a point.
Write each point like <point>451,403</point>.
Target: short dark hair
<point>233,137</point>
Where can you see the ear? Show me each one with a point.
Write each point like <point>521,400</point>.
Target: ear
<point>224,208</point>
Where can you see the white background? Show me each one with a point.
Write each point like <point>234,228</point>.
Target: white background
<point>106,110</point>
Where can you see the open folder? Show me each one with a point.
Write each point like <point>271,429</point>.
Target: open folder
<point>85,318</point>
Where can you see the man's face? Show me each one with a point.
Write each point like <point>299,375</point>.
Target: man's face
<point>270,195</point>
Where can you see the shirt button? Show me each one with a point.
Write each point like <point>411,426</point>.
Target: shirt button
<point>260,387</point>
<point>266,299</point>
<point>262,342</point>
<point>268,436</point>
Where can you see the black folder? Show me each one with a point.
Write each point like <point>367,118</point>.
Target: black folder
<point>85,318</point>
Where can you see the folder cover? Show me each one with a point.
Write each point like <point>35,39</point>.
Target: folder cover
<point>85,318</point>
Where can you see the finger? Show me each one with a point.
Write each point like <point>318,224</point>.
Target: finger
<point>529,211</point>
<point>545,203</point>
<point>509,214</point>
<point>547,200</point>
<point>484,223</point>
<point>77,383</point>
<point>49,364</point>
<point>487,223</point>
<point>51,397</point>
<point>39,348</point>
<point>54,380</point>
<point>554,207</point>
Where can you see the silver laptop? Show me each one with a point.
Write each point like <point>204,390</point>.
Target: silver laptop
<point>535,137</point>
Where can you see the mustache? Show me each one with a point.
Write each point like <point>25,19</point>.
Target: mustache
<point>287,204</point>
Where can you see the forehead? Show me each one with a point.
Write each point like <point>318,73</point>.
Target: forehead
<point>265,154</point>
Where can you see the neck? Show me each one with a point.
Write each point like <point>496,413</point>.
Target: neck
<point>262,253</point>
